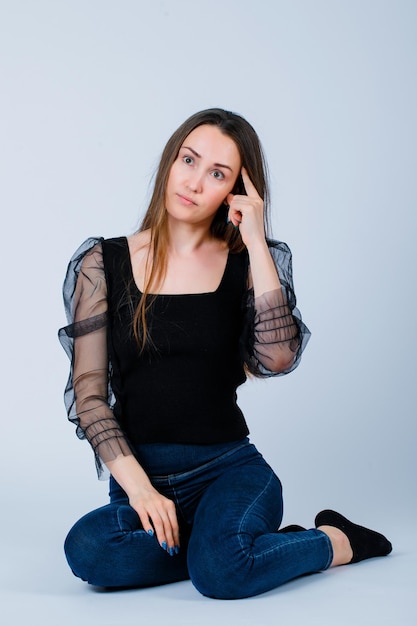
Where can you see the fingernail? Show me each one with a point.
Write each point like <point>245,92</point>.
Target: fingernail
<point>171,552</point>
<point>150,532</point>
<point>164,545</point>
<point>177,549</point>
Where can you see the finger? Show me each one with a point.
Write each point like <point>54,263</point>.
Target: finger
<point>171,529</point>
<point>248,184</point>
<point>229,198</point>
<point>159,526</point>
<point>153,524</point>
<point>165,523</point>
<point>175,527</point>
<point>146,523</point>
<point>233,217</point>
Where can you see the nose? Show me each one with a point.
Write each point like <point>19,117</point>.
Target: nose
<point>195,181</point>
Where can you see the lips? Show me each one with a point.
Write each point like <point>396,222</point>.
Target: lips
<point>185,199</point>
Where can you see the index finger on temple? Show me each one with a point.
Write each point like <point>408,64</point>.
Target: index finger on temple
<point>249,186</point>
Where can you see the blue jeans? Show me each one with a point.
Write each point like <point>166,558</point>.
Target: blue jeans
<point>229,507</point>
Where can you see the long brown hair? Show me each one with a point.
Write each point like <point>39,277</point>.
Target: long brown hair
<point>253,160</point>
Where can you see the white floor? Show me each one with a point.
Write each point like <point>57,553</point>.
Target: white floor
<point>38,588</point>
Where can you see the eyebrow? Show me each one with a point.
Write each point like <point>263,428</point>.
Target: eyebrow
<point>199,157</point>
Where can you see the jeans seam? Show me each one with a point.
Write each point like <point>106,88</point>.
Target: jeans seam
<point>121,529</point>
<point>244,550</point>
<point>272,549</point>
<point>200,468</point>
<point>177,500</point>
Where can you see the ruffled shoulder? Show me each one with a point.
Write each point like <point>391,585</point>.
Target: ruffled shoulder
<point>85,301</point>
<point>89,247</point>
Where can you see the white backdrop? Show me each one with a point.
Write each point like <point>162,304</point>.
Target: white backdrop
<point>90,92</point>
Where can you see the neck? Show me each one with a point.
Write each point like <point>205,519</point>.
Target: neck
<point>184,239</point>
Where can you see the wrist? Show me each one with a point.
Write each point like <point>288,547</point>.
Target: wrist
<point>130,475</point>
<point>257,245</point>
<point>264,273</point>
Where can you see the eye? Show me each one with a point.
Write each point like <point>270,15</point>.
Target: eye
<point>188,160</point>
<point>218,174</point>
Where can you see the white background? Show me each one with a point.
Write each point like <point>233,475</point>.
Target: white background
<point>90,92</point>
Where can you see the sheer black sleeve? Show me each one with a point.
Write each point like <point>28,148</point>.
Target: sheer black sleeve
<point>88,394</point>
<point>274,327</point>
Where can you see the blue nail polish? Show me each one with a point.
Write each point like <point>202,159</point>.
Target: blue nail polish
<point>164,545</point>
<point>177,549</point>
<point>150,532</point>
<point>171,552</point>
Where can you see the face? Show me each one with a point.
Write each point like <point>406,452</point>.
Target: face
<point>202,175</point>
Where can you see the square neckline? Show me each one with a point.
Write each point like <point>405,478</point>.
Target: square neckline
<point>175,295</point>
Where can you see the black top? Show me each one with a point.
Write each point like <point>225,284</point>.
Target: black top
<point>183,387</point>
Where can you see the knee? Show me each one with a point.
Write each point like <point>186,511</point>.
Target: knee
<point>81,548</point>
<point>219,573</point>
<point>90,544</point>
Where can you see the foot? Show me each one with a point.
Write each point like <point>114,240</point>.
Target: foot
<point>342,550</point>
<point>364,543</point>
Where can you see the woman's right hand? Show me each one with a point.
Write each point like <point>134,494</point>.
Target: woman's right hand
<point>156,512</point>
<point>157,515</point>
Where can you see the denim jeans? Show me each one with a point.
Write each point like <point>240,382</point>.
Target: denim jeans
<point>229,507</point>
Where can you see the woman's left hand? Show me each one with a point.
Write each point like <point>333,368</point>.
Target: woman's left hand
<point>247,212</point>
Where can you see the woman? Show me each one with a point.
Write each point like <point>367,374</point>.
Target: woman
<point>165,325</point>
